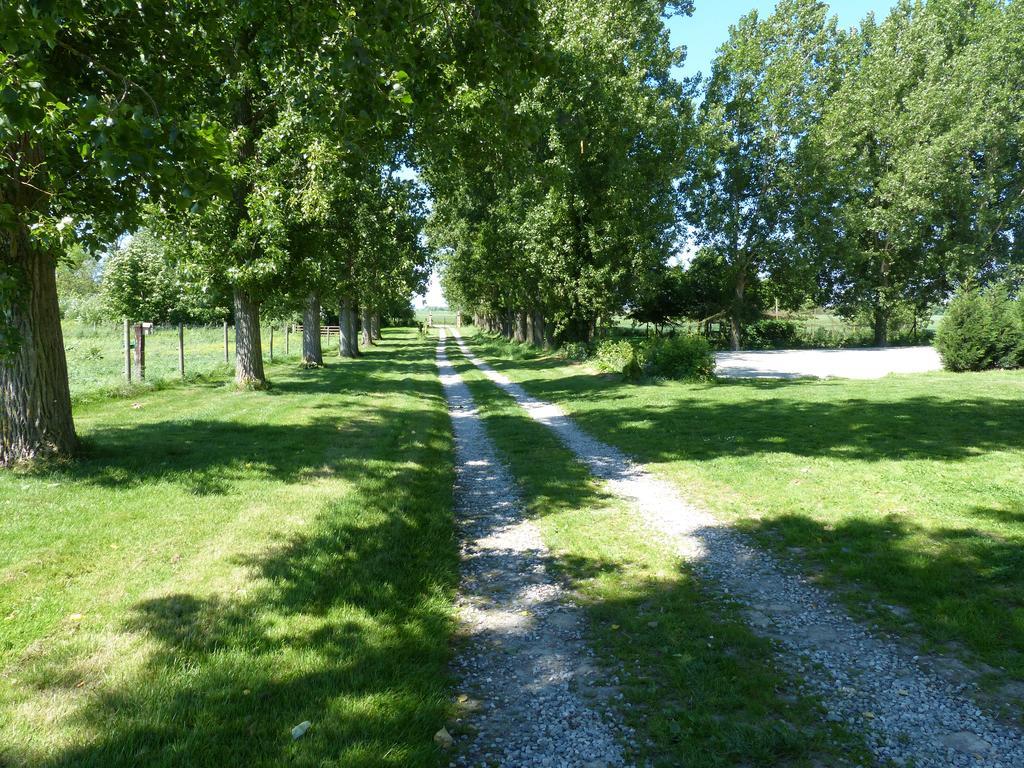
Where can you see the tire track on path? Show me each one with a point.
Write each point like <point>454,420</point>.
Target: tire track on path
<point>523,668</point>
<point>873,685</point>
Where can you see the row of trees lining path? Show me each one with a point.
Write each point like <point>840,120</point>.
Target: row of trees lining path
<point>870,171</point>
<point>262,143</point>
<point>263,148</point>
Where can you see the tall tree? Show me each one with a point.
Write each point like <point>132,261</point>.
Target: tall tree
<point>769,82</point>
<point>913,161</point>
<point>88,129</point>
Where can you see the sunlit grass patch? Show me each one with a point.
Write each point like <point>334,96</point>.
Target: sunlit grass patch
<point>220,566</point>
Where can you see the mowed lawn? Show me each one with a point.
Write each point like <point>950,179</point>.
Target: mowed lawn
<point>906,494</point>
<point>221,566</point>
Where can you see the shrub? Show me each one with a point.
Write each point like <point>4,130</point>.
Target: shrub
<point>575,350</point>
<point>981,330</point>
<point>680,357</point>
<point>771,333</point>
<point>617,357</point>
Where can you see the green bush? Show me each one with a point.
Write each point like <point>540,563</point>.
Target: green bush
<point>617,357</point>
<point>679,357</point>
<point>575,350</point>
<point>981,330</point>
<point>771,333</point>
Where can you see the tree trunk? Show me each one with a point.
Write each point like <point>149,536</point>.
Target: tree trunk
<point>348,344</point>
<point>519,327</point>
<point>312,350</point>
<point>375,326</point>
<point>540,336</point>
<point>736,313</point>
<point>366,323</point>
<point>248,342</point>
<point>35,400</point>
<point>881,323</point>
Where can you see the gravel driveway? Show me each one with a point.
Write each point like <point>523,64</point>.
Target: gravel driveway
<point>825,363</point>
<point>871,683</point>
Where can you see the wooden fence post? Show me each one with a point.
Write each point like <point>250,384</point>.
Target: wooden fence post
<point>227,357</point>
<point>287,339</point>
<point>140,351</point>
<point>181,349</point>
<point>127,350</point>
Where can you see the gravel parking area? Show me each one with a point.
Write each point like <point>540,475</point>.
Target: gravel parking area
<point>827,363</point>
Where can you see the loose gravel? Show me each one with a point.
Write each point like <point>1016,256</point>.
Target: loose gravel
<point>872,685</point>
<point>530,691</point>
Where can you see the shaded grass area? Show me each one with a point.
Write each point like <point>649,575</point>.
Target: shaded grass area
<point>220,566</point>
<point>905,493</point>
<point>701,689</point>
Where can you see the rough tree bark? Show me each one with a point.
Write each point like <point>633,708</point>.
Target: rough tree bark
<point>248,344</point>
<point>881,325</point>
<point>312,350</point>
<point>35,401</point>
<point>367,322</point>
<point>375,326</point>
<point>348,344</point>
<point>519,327</point>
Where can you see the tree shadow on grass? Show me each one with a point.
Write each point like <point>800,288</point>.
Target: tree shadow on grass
<point>208,456</point>
<point>956,588</point>
<point>804,418</point>
<point>346,627</point>
<point>344,623</point>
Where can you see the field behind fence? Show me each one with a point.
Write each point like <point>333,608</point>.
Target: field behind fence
<point>96,353</point>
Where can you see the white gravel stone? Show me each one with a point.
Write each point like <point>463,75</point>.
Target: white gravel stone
<point>924,720</point>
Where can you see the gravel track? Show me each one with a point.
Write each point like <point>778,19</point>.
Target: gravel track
<point>873,685</point>
<point>530,689</point>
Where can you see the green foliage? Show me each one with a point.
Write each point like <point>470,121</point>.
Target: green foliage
<point>617,357</point>
<point>919,152</point>
<point>571,168</point>
<point>771,333</point>
<point>747,175</point>
<point>576,350</point>
<point>684,358</point>
<point>981,330</point>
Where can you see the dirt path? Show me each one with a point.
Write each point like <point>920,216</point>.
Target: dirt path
<point>871,684</point>
<point>529,687</point>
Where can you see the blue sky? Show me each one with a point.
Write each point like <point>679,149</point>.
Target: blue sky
<point>702,34</point>
<point>708,28</point>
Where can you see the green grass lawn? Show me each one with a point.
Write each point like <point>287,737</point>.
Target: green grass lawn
<point>220,566</point>
<point>701,689</point>
<point>905,493</point>
<point>96,355</point>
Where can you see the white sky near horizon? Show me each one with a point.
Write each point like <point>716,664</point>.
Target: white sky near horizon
<point>702,34</point>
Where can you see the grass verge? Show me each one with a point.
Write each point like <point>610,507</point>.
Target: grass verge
<point>700,688</point>
<point>221,566</point>
<point>904,493</point>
